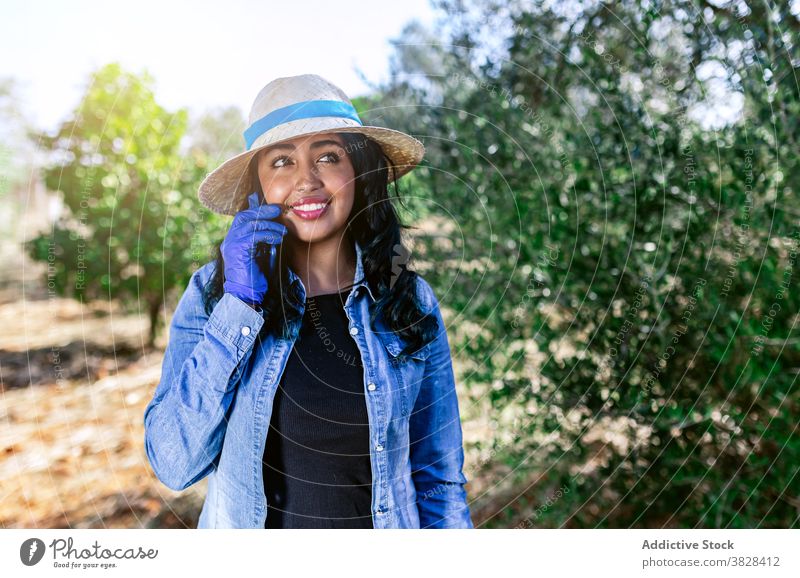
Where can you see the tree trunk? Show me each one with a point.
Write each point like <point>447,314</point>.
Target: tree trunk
<point>155,319</point>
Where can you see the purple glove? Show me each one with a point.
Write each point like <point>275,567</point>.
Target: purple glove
<point>243,277</point>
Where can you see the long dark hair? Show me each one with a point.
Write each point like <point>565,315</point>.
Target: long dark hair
<point>373,223</point>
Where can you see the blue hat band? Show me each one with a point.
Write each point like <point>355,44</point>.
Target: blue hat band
<point>298,111</point>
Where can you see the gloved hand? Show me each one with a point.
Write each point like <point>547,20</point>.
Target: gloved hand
<point>243,277</point>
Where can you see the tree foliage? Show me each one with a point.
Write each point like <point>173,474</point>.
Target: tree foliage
<point>133,229</point>
<point>621,264</point>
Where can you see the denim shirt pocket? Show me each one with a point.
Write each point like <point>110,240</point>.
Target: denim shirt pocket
<point>408,370</point>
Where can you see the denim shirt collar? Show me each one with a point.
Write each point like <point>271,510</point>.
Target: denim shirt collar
<point>358,279</point>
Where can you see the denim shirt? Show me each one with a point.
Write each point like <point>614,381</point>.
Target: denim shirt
<point>211,410</point>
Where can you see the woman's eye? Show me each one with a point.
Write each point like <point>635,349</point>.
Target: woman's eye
<point>333,156</point>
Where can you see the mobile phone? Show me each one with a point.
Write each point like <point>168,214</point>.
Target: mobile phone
<point>273,251</point>
<point>262,249</point>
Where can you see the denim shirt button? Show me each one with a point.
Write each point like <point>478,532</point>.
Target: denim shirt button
<point>245,331</point>
<point>371,387</point>
<point>379,447</point>
<point>354,331</point>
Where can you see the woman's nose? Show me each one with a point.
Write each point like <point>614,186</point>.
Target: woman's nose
<point>307,178</point>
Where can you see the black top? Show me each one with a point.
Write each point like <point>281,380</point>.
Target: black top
<point>317,470</point>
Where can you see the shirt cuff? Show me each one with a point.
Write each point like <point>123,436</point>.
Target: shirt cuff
<point>236,322</point>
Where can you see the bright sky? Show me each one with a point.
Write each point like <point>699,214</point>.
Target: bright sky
<point>201,53</point>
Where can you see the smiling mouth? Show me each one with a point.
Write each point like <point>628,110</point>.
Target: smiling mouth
<point>304,206</point>
<point>309,210</point>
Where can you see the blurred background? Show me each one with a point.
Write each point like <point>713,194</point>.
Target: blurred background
<point>607,212</point>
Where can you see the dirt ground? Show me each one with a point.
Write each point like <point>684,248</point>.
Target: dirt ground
<point>75,382</point>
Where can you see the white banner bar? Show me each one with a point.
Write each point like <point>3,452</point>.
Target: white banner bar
<point>329,553</point>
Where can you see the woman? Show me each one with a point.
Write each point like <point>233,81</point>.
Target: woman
<point>312,384</point>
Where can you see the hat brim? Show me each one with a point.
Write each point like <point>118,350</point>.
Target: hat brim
<point>225,189</point>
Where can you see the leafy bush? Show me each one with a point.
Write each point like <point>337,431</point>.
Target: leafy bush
<point>620,270</point>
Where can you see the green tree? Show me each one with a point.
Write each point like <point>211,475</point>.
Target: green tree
<point>591,216</point>
<point>134,228</point>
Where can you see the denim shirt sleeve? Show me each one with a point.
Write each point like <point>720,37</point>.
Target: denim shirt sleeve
<point>185,422</point>
<point>436,450</point>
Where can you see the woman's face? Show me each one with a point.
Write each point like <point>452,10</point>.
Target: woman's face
<point>315,177</point>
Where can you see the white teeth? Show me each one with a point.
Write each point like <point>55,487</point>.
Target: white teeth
<point>314,207</point>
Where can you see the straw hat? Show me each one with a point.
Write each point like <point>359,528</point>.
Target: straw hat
<point>295,106</point>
